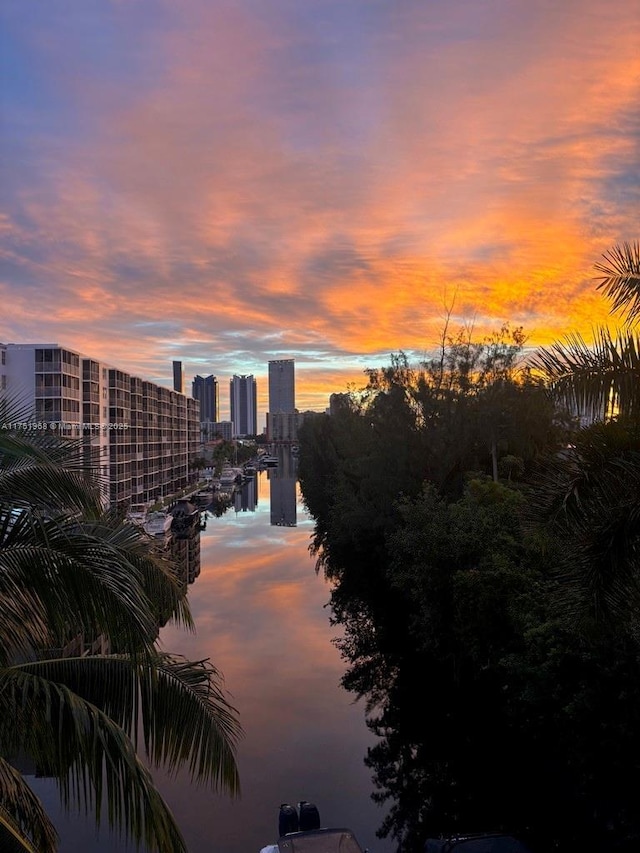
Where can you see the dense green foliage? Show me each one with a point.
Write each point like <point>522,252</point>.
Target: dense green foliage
<point>72,572</point>
<point>484,574</point>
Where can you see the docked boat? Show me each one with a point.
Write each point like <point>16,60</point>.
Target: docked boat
<point>299,831</point>
<point>327,840</point>
<point>157,523</point>
<point>230,478</point>
<point>268,460</point>
<point>137,517</point>
<point>203,497</point>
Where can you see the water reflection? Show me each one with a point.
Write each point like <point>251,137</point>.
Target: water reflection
<point>183,541</point>
<point>259,611</point>
<point>282,493</point>
<point>246,498</point>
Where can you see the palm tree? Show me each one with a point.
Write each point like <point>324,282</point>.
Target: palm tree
<point>592,490</point>
<point>602,380</point>
<point>68,568</point>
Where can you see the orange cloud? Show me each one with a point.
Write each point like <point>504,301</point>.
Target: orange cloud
<point>278,188</point>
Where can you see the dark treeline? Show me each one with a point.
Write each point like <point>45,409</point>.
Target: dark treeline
<point>483,555</point>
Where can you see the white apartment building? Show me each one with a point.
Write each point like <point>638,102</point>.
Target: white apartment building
<point>140,435</point>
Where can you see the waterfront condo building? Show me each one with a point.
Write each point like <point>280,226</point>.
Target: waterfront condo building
<point>141,436</point>
<point>243,395</point>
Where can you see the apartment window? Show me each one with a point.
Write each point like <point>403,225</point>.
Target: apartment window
<point>4,356</point>
<point>48,356</point>
<point>3,381</point>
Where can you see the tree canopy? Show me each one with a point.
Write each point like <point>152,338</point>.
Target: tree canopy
<point>483,554</point>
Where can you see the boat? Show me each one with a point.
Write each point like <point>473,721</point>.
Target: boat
<point>230,478</point>
<point>326,840</point>
<point>157,523</point>
<point>267,459</point>
<point>299,831</point>
<point>203,497</point>
<point>137,517</point>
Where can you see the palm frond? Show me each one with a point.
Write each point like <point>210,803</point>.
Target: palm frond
<point>157,572</point>
<point>67,567</point>
<point>186,717</point>
<point>596,380</point>
<point>86,577</point>
<point>620,279</point>
<point>40,468</point>
<point>82,581</point>
<point>591,495</point>
<point>24,824</point>
<point>191,692</point>
<point>88,754</point>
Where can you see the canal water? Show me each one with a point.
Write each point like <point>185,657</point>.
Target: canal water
<point>261,617</point>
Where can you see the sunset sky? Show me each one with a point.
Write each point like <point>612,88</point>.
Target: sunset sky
<point>231,181</point>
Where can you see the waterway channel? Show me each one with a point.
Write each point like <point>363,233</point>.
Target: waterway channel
<point>260,615</point>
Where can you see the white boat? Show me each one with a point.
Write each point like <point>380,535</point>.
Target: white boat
<point>230,478</point>
<point>137,518</point>
<point>329,840</point>
<point>157,523</point>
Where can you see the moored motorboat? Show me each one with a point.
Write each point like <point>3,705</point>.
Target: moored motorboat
<point>157,523</point>
<point>230,478</point>
<point>299,831</point>
<point>203,497</point>
<point>324,840</point>
<point>268,460</point>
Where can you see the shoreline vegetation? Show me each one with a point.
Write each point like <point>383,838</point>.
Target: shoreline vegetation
<point>477,517</point>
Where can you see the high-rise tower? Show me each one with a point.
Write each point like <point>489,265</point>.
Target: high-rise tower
<point>178,384</point>
<point>244,404</point>
<point>282,388</point>
<point>205,389</point>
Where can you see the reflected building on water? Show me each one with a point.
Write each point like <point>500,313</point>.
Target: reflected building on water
<point>245,498</point>
<point>282,490</point>
<point>183,541</point>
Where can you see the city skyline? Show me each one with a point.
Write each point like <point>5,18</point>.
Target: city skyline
<point>229,183</point>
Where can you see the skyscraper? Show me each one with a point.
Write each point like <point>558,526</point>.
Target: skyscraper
<point>178,384</point>
<point>205,389</point>
<point>244,405</point>
<point>282,390</point>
